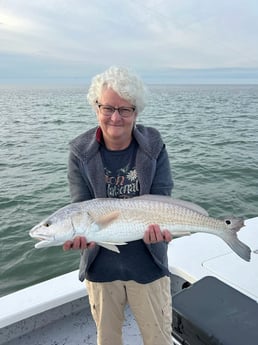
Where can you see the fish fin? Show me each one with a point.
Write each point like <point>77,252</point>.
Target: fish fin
<point>178,234</point>
<point>111,246</point>
<point>240,248</point>
<point>190,205</point>
<point>104,221</point>
<point>76,220</point>
<point>178,202</point>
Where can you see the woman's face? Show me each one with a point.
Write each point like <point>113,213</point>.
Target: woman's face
<point>116,129</point>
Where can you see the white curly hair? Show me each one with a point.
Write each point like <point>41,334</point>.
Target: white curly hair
<point>121,80</point>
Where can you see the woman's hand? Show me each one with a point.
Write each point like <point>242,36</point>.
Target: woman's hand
<point>153,234</point>
<point>78,242</point>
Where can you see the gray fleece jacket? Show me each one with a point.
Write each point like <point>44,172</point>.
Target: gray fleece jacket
<point>87,180</point>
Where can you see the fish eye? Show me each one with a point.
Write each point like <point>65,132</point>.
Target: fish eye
<point>47,224</point>
<point>228,221</point>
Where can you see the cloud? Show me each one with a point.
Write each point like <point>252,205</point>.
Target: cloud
<point>72,37</point>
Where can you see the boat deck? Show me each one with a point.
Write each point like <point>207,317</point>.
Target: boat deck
<point>77,329</point>
<point>61,318</point>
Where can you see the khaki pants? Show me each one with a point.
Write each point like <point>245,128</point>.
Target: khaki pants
<point>150,304</point>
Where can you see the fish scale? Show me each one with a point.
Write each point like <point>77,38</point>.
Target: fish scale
<point>157,212</point>
<point>118,221</point>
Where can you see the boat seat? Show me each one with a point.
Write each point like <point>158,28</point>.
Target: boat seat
<point>211,312</point>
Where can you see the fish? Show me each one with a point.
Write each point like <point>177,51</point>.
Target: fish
<point>111,222</point>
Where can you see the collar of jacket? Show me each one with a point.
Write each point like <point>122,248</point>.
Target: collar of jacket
<point>86,145</point>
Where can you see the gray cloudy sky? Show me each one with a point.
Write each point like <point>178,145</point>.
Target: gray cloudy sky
<point>160,39</point>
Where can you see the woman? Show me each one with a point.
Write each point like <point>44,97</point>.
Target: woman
<point>120,159</point>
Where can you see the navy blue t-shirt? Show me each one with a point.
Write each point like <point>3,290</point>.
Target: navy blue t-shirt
<point>134,262</point>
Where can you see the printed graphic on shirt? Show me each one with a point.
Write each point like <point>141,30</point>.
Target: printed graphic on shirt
<point>123,183</point>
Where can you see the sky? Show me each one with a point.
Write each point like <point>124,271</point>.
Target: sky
<point>172,41</point>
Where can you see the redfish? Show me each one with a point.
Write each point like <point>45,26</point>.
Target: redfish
<point>111,222</point>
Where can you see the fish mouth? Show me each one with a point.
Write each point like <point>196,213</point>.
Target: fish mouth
<point>36,234</point>
<point>41,237</point>
<point>43,244</point>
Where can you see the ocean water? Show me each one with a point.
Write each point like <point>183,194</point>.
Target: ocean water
<point>211,134</point>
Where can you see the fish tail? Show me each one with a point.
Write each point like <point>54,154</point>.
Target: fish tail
<point>236,245</point>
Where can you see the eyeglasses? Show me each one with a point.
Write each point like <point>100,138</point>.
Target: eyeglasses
<point>108,110</point>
